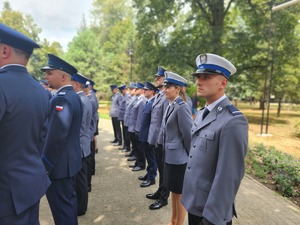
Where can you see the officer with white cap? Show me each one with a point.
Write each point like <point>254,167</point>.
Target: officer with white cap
<point>176,132</point>
<point>219,144</point>
<point>23,103</point>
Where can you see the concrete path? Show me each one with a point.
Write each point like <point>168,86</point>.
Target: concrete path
<point>117,198</point>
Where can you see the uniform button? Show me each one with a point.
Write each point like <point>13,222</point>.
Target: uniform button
<point>194,146</point>
<point>189,167</point>
<point>191,156</point>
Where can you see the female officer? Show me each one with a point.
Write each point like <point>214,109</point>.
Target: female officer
<point>176,124</point>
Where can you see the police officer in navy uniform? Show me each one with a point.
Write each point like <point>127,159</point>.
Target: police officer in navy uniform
<point>158,108</point>
<point>78,82</point>
<point>23,178</point>
<point>62,151</point>
<point>219,144</point>
<point>149,179</point>
<point>113,113</point>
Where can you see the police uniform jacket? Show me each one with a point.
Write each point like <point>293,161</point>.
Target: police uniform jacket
<point>130,103</point>
<point>216,163</point>
<point>24,106</point>
<point>114,106</point>
<point>176,131</point>
<point>85,140</point>
<point>93,125</point>
<point>141,105</point>
<point>133,114</point>
<point>158,108</point>
<point>122,106</point>
<point>62,152</point>
<point>145,122</point>
<point>95,114</point>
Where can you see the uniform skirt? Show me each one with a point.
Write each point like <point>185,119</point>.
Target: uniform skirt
<point>173,177</point>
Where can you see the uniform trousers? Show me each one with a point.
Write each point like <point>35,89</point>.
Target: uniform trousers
<point>29,217</point>
<point>126,138</point>
<point>133,142</point>
<point>62,199</point>
<point>82,189</point>
<point>90,160</point>
<point>140,153</point>
<point>159,156</point>
<point>195,220</point>
<point>117,129</point>
<point>150,157</point>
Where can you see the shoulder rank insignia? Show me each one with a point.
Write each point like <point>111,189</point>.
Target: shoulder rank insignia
<point>234,111</point>
<point>61,93</point>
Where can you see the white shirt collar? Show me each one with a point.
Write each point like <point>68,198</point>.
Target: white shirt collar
<point>211,106</point>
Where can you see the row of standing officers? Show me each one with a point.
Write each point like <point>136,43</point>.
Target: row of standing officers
<point>200,162</point>
<point>46,142</point>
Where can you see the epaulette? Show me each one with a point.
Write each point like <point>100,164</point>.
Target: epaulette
<point>61,93</point>
<point>179,101</point>
<point>234,111</point>
<point>2,70</point>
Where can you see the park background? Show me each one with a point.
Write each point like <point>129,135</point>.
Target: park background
<point>126,40</point>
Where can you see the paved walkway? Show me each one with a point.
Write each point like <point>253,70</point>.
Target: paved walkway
<point>117,199</point>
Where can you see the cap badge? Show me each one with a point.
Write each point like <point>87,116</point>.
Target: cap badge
<point>203,58</point>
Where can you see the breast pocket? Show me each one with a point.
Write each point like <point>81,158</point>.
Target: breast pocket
<point>205,140</point>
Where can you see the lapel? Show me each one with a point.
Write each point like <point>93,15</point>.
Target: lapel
<point>157,99</point>
<point>212,116</point>
<point>171,107</point>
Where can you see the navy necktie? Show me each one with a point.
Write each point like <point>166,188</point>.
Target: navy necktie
<point>205,113</point>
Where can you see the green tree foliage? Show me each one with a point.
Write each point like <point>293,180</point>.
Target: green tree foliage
<point>100,51</point>
<point>26,25</point>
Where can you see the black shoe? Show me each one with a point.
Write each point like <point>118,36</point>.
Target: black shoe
<point>118,144</point>
<point>80,213</point>
<point>122,148</point>
<point>154,196</point>
<point>132,158</point>
<point>114,141</point>
<point>158,204</point>
<point>147,183</point>
<point>96,150</point>
<point>143,178</point>
<point>138,168</point>
<point>125,150</point>
<point>132,166</point>
<point>129,155</point>
<point>89,188</point>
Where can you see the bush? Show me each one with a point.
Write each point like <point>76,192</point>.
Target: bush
<point>281,169</point>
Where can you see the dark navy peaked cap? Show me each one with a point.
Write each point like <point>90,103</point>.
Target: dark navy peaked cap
<point>80,78</point>
<point>149,86</point>
<point>160,72</point>
<point>122,87</point>
<point>56,63</point>
<point>16,39</point>
<point>113,86</point>
<point>139,85</point>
